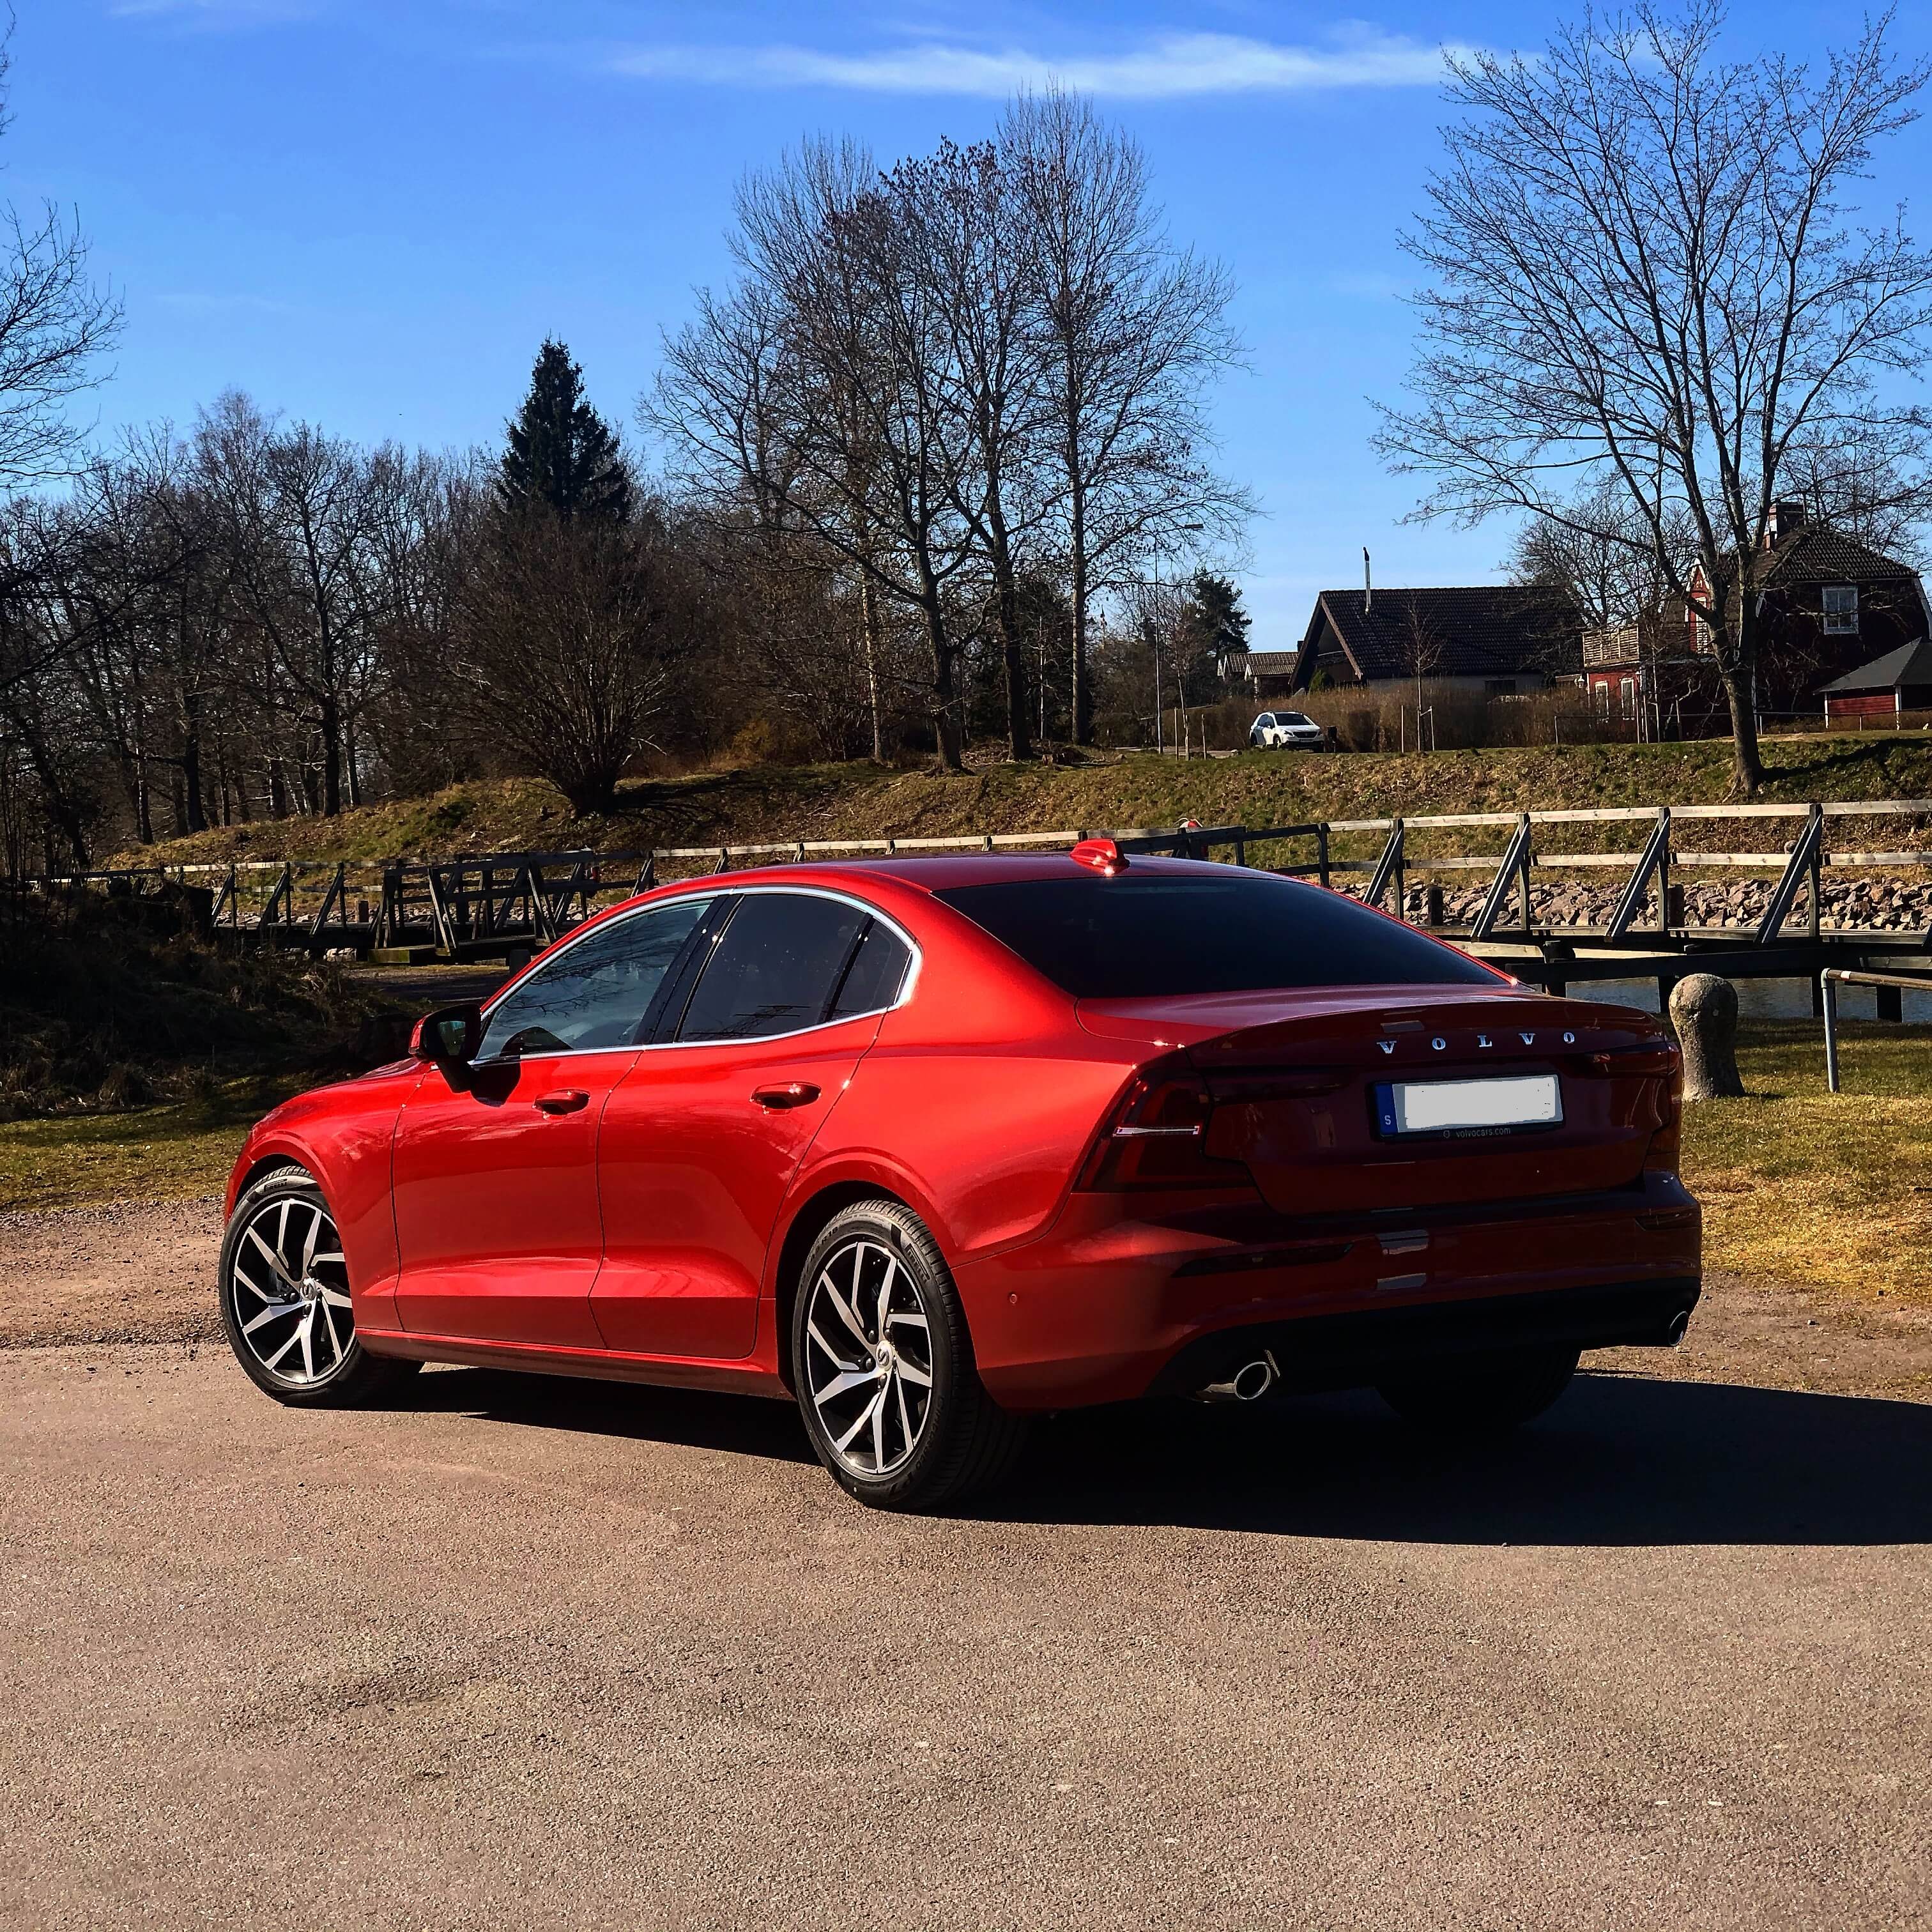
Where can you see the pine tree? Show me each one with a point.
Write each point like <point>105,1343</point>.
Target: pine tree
<point>562,454</point>
<point>1216,626</point>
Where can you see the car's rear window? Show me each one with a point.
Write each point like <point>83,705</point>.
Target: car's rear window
<point>1129,938</point>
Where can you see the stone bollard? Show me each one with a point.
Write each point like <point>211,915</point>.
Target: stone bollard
<point>1704,1009</point>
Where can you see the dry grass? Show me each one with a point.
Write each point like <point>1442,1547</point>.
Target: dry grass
<point>1833,1190</point>
<point>173,1153</point>
<point>773,801</point>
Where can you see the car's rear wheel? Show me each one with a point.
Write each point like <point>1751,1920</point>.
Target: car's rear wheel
<point>882,1363</point>
<point>285,1300</point>
<point>1485,1395</point>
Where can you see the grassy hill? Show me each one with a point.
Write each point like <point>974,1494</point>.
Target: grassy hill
<point>855,801</point>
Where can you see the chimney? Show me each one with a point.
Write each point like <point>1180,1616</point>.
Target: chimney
<point>1785,518</point>
<point>1368,589</point>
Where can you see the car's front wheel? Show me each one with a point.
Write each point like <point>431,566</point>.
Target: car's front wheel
<point>882,1363</point>
<point>285,1301</point>
<point>1487,1395</point>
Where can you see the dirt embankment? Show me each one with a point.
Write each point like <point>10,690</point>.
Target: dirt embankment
<point>864,801</point>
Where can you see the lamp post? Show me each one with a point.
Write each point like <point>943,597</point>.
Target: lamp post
<point>1154,582</point>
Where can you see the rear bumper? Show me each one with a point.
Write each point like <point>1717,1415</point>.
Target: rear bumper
<point>1363,1346</point>
<point>1106,1307</point>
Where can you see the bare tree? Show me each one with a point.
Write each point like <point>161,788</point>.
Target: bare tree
<point>55,320</point>
<point>722,409</point>
<point>1420,648</point>
<point>296,504</point>
<point>969,235</point>
<point>1876,487</point>
<point>1601,556</point>
<point>572,631</point>
<point>1645,275</point>
<point>427,518</point>
<point>43,710</point>
<point>855,377</point>
<point>1134,329</point>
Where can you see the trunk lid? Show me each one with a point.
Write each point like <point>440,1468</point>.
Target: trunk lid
<point>1294,1077</point>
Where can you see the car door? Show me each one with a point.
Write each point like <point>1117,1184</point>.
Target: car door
<point>702,1136</point>
<point>498,1230</point>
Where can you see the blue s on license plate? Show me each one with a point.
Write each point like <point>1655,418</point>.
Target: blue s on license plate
<point>1510,1105</point>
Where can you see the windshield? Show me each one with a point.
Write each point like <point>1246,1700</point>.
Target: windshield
<point>1137,937</point>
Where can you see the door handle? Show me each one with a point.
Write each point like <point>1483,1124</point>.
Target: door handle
<point>565,1100</point>
<point>792,1094</point>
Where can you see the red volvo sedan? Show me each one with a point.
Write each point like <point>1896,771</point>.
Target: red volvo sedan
<point>931,1145</point>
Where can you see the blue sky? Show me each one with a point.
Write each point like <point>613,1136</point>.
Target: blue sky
<point>369,212</point>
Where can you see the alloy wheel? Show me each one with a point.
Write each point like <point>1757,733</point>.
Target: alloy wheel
<point>288,1290</point>
<point>869,1357</point>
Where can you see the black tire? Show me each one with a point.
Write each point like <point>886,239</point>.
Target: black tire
<point>1483,1396</point>
<point>329,1369</point>
<point>961,1442</point>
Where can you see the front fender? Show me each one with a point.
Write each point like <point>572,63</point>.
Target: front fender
<point>344,1136</point>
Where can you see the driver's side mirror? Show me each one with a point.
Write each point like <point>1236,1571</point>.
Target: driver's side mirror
<point>450,1036</point>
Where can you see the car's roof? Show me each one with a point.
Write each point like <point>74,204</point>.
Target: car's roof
<point>933,872</point>
<point>943,872</point>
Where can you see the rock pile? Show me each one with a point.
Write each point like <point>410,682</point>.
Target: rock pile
<point>1872,905</point>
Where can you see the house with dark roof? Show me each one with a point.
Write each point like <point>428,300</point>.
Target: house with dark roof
<point>1887,688</point>
<point>1497,640</point>
<point>1826,604</point>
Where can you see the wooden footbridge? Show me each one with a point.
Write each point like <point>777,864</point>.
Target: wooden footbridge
<point>504,905</point>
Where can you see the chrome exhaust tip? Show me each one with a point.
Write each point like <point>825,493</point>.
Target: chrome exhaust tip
<point>1248,1383</point>
<point>1679,1322</point>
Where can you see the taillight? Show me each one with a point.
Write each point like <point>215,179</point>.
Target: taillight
<point>1662,1155</point>
<point>1660,1066</point>
<point>1157,1136</point>
<point>1641,1057</point>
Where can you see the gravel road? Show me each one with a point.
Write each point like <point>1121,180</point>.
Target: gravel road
<point>529,1654</point>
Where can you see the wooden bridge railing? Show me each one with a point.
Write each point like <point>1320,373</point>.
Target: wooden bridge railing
<point>490,902</point>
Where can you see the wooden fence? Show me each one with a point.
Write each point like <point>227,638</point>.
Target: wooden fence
<point>503,905</point>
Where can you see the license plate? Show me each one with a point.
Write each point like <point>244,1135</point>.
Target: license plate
<point>1405,1107</point>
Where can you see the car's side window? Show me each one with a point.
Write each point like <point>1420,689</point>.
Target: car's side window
<point>877,972</point>
<point>775,968</point>
<point>595,993</point>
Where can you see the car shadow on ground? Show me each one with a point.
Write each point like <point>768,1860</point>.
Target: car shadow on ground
<point>1619,1461</point>
<point>739,1425</point>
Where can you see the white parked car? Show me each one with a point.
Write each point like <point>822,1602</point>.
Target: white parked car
<point>1285,730</point>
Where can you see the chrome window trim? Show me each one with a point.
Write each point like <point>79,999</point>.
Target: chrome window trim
<point>907,987</point>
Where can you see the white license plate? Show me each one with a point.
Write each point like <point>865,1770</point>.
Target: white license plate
<point>1467,1106</point>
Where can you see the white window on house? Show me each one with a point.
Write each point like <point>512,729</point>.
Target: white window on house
<point>1602,690</point>
<point>1841,609</point>
<point>1628,687</point>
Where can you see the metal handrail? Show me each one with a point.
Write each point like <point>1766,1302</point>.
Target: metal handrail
<point>1831,979</point>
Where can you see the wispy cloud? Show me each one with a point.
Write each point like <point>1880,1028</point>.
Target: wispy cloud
<point>215,12</point>
<point>1168,67</point>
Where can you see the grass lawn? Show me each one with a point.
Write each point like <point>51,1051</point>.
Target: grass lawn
<point>1797,1184</point>
<point>1834,1190</point>
<point>169,1153</point>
